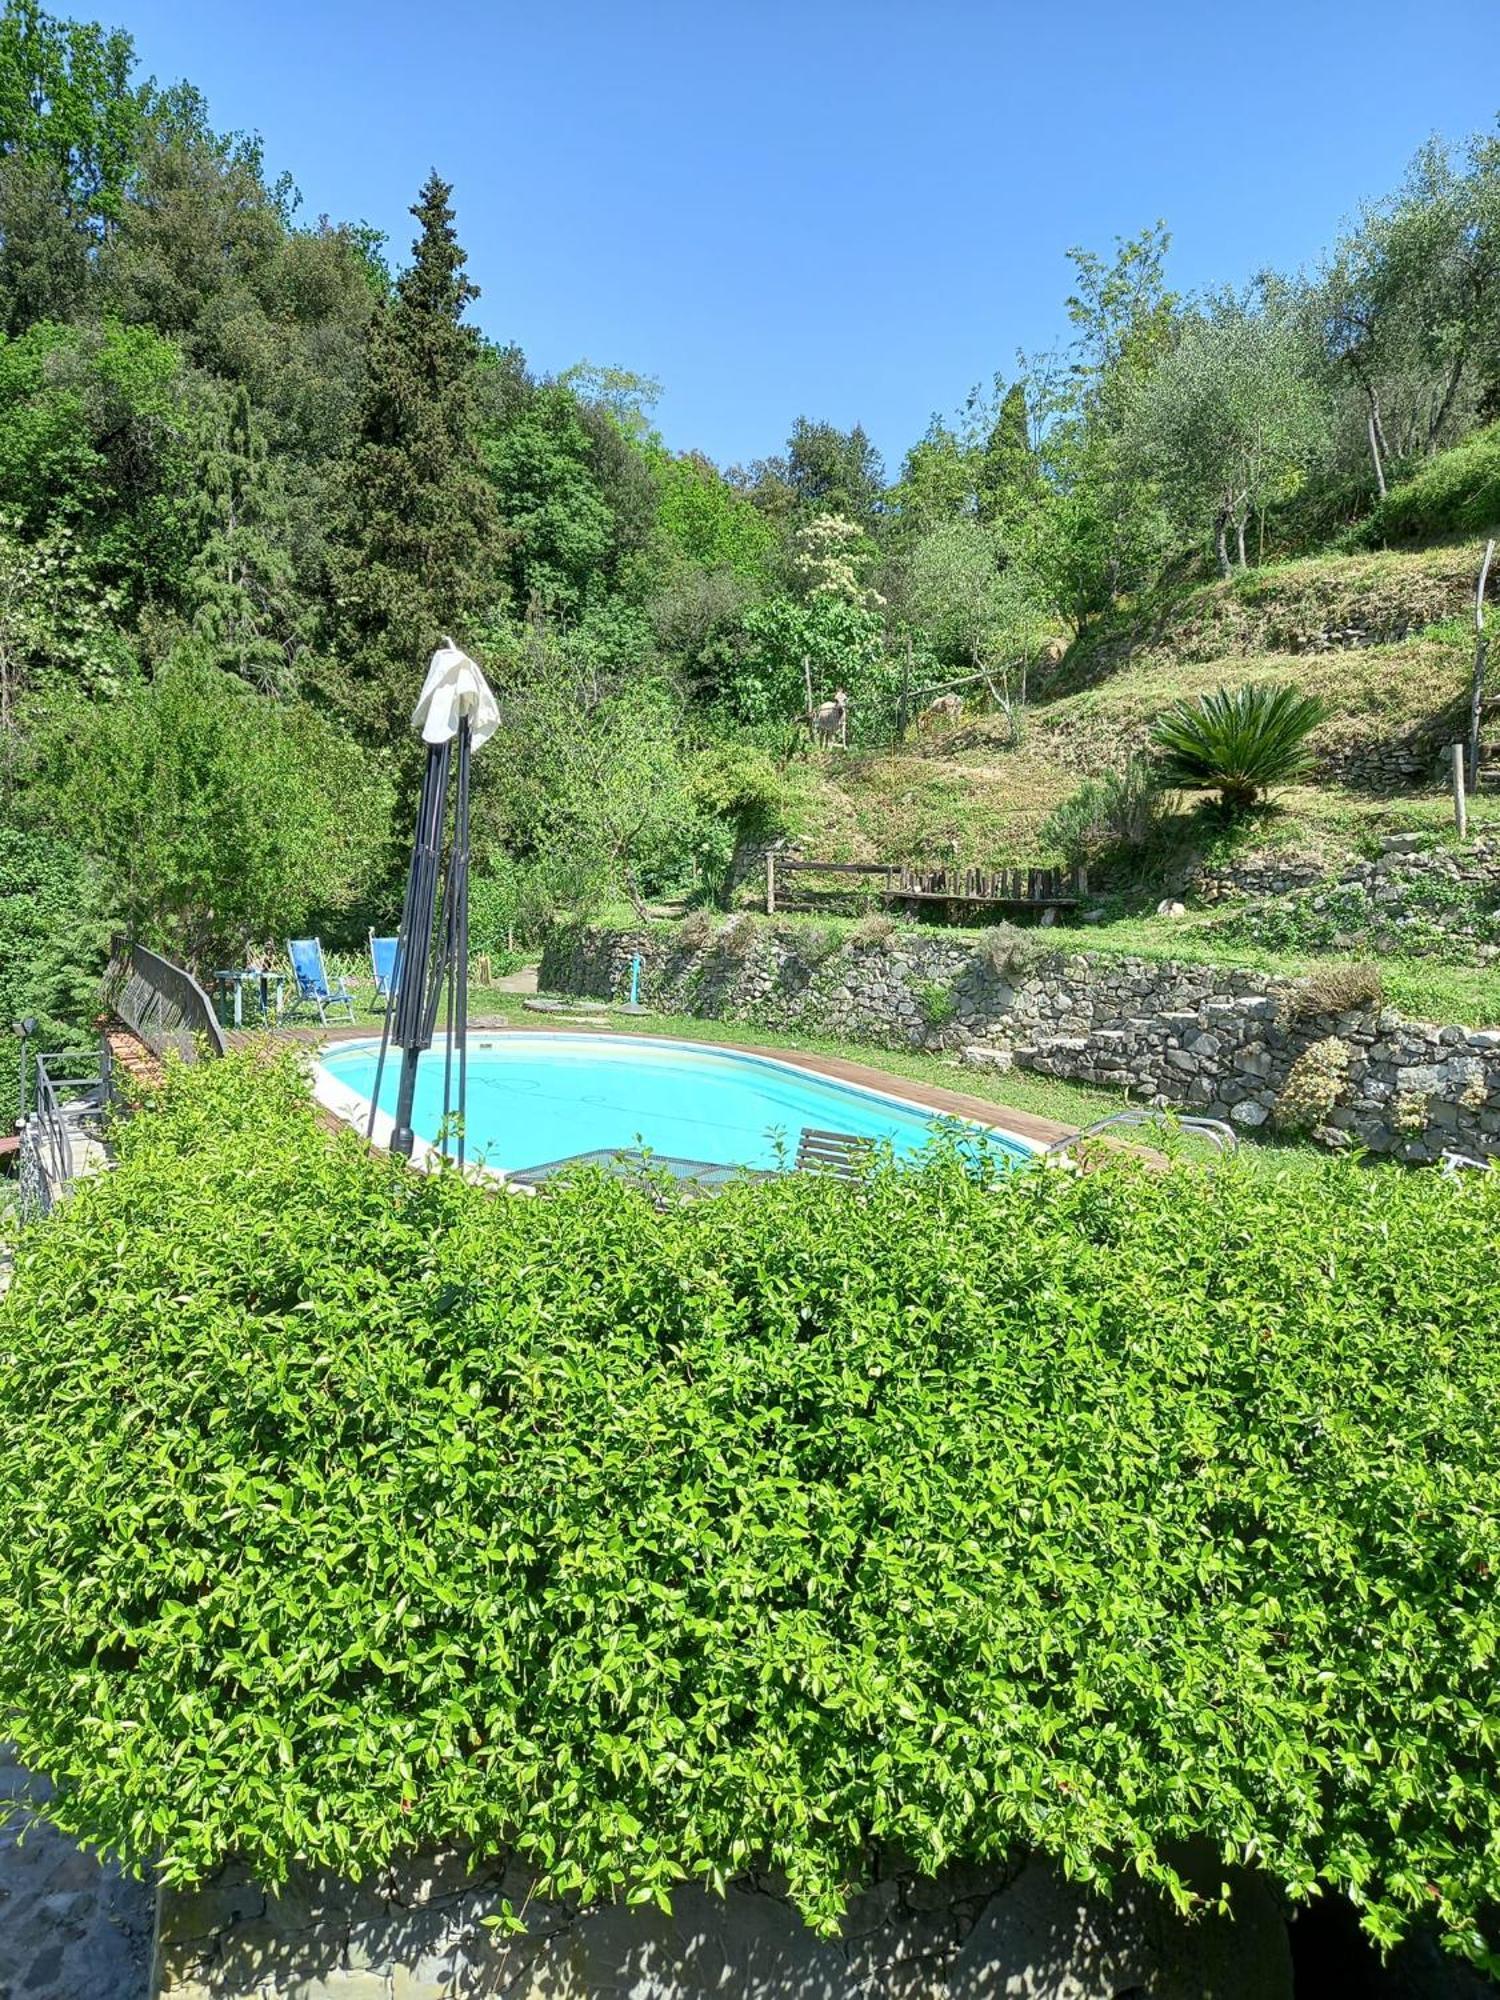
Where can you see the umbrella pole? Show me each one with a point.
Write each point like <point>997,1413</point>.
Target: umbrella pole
<point>416,927</point>
<point>461,917</point>
<point>455,957</point>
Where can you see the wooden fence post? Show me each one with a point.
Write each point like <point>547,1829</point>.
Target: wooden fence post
<point>770,881</point>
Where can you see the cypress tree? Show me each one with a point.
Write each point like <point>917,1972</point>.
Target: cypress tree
<point>242,585</point>
<point>1007,465</point>
<point>418,545</point>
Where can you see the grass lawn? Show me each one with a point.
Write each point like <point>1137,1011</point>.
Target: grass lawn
<point>1428,989</point>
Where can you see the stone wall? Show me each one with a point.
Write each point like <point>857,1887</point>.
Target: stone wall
<point>1220,1043</point>
<point>1412,897</point>
<point>1411,762</point>
<point>417,1932</point>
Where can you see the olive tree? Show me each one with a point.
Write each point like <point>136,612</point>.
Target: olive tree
<point>1228,421</point>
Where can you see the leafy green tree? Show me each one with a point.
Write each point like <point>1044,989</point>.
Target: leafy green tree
<point>830,557</point>
<point>593,769</point>
<point>560,527</point>
<point>1096,529</point>
<point>835,472</point>
<point>206,252</point>
<point>67,105</point>
<point>95,427</point>
<point>54,936</point>
<point>975,607</point>
<point>1239,741</point>
<point>625,397</point>
<point>45,256</point>
<point>219,817</point>
<point>1406,305</point>
<point>1228,422</point>
<point>936,484</point>
<point>55,614</point>
<point>419,537</point>
<point>1007,478</point>
<point>828,640</point>
<point>703,521</point>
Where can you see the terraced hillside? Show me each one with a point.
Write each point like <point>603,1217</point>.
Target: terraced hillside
<point>1386,639</point>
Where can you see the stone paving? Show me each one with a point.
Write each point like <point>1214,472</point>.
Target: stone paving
<point>70,1928</point>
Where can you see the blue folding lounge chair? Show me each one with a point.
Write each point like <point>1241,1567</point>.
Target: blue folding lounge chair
<point>311,976</point>
<point>383,965</point>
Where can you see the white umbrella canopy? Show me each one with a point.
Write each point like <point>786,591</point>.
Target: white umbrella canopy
<point>454,689</point>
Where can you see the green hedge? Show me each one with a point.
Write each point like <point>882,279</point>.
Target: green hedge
<point>344,1510</point>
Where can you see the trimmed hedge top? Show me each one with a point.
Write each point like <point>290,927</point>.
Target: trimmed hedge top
<point>344,1510</point>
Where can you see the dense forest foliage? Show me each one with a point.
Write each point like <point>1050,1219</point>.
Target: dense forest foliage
<point>252,467</point>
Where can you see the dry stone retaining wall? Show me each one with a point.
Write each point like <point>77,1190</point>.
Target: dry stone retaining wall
<point>1413,896</point>
<point>417,1932</point>
<point>1413,760</point>
<point>1204,1039</point>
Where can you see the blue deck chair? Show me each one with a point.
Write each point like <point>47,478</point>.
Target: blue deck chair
<point>383,964</point>
<point>311,975</point>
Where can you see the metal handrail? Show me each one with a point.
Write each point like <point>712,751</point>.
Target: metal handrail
<point>163,1005</point>
<point>1221,1137</point>
<point>63,1104</point>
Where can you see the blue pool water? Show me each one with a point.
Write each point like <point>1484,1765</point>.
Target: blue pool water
<point>536,1098</point>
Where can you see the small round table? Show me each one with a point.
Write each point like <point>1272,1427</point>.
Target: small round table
<point>231,985</point>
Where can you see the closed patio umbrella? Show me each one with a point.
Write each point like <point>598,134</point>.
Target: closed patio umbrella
<point>456,715</point>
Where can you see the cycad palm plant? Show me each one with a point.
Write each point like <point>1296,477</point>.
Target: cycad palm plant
<point>1240,741</point>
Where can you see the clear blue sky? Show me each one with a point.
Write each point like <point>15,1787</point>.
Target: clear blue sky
<point>854,212</point>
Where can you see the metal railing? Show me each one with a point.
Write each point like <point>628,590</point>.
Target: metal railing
<point>66,1095</point>
<point>161,1004</point>
<point>1213,1132</point>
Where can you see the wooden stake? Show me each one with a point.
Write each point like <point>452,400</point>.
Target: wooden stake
<point>1460,803</point>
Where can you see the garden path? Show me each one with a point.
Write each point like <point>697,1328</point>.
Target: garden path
<point>71,1927</point>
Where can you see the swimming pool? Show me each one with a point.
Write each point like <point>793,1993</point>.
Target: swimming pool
<point>534,1099</point>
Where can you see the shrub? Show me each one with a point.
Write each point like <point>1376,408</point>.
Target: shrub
<point>738,936</point>
<point>1240,741</point>
<point>1005,949</point>
<point>524,900</point>
<point>344,1510</point>
<point>1124,810</point>
<point>875,932</point>
<point>221,817</point>
<point>1410,1112</point>
<point>817,943</point>
<point>695,931</point>
<point>936,1003</point>
<point>1314,1085</point>
<point>1337,989</point>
